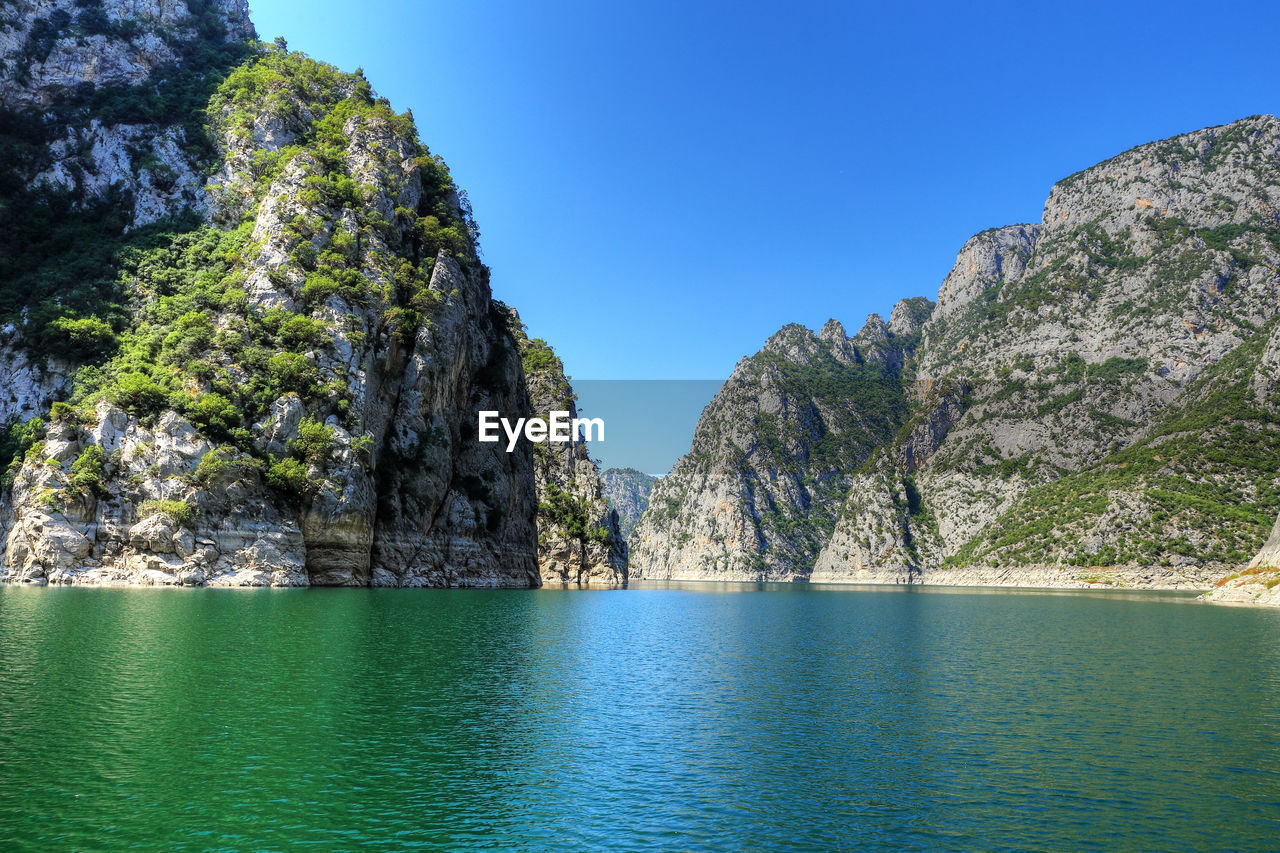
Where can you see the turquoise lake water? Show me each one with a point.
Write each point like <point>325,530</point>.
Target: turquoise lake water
<point>709,718</point>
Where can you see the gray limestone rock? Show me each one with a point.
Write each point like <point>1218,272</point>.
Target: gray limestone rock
<point>404,494</point>
<point>627,491</point>
<point>580,542</point>
<point>1067,406</point>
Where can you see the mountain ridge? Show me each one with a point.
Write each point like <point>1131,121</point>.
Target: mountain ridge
<point>1052,347</point>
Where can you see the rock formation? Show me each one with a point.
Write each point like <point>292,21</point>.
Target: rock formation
<point>627,491</point>
<point>775,453</point>
<point>1090,402</point>
<point>273,372</point>
<point>579,541</point>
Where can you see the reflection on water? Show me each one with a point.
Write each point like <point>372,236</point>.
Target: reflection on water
<point>679,716</point>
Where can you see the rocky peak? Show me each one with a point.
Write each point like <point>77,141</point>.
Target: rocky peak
<point>985,261</point>
<point>909,315</point>
<point>832,332</point>
<point>837,342</point>
<point>771,458</point>
<point>873,332</point>
<point>1205,178</point>
<point>794,342</point>
<point>871,344</point>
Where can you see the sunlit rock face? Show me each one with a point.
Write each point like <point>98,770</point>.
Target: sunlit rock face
<point>1089,402</point>
<point>287,389</point>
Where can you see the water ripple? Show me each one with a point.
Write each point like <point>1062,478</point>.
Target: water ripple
<point>713,718</point>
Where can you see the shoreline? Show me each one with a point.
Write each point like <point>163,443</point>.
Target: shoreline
<point>1205,583</point>
<point>1189,578</point>
<point>1035,582</point>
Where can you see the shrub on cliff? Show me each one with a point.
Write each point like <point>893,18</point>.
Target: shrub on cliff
<point>289,476</point>
<point>179,512</point>
<point>139,394</point>
<point>87,473</point>
<point>315,441</point>
<point>81,337</point>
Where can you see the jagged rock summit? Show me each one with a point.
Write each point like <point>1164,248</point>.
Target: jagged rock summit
<point>774,454</point>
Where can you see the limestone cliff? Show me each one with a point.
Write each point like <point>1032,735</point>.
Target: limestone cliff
<point>1108,420</point>
<point>269,369</point>
<point>1091,400</point>
<point>579,542</point>
<point>627,491</point>
<point>100,98</point>
<point>775,453</point>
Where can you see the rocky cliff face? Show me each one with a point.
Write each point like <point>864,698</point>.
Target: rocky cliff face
<point>1090,401</point>
<point>51,47</point>
<point>1108,406</point>
<point>579,540</point>
<point>274,372</point>
<point>627,491</point>
<point>774,453</point>
<point>103,95</point>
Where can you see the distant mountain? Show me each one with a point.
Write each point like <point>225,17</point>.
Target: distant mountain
<point>1093,399</point>
<point>628,492</point>
<point>775,452</point>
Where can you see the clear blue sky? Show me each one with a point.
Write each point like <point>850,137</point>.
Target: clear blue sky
<point>661,185</point>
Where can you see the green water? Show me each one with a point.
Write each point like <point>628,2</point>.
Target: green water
<point>724,718</point>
